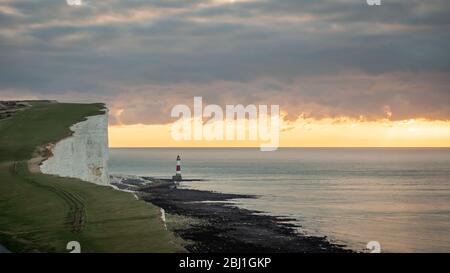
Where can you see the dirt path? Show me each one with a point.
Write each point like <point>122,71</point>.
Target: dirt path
<point>4,249</point>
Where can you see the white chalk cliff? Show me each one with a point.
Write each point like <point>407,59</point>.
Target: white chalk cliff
<point>83,155</point>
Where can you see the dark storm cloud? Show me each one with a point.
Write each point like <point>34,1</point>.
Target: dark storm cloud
<point>304,51</point>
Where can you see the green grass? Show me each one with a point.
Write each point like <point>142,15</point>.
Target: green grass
<point>37,211</point>
<point>41,124</point>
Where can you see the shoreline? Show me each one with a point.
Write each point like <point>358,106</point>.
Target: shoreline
<point>216,225</point>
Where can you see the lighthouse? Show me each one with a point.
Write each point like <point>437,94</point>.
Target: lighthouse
<point>177,176</point>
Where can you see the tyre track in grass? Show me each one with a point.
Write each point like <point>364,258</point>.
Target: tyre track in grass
<point>76,217</point>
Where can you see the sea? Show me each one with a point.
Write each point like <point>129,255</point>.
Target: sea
<point>397,197</point>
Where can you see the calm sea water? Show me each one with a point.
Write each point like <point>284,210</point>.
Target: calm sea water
<point>398,197</point>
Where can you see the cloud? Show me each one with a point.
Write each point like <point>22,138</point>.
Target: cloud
<point>317,58</point>
<point>355,95</point>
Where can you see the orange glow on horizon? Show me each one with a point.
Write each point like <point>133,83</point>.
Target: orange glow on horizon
<point>305,132</point>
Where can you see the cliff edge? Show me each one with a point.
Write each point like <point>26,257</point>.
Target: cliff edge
<point>82,155</point>
<point>42,212</point>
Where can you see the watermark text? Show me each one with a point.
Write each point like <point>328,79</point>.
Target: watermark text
<point>236,123</point>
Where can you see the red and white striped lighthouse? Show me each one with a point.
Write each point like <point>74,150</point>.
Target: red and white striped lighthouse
<point>178,165</point>
<point>177,176</point>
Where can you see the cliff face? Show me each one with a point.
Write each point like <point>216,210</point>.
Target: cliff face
<point>83,155</point>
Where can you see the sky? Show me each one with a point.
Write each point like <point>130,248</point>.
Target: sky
<point>344,73</point>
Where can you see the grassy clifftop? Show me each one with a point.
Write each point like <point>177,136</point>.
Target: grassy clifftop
<point>38,125</point>
<point>42,213</point>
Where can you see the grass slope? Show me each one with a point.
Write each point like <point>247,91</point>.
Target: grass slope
<point>41,213</point>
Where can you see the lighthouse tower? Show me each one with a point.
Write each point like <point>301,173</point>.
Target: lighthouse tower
<point>177,176</point>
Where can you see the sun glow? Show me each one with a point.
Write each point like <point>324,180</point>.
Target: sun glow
<point>305,132</point>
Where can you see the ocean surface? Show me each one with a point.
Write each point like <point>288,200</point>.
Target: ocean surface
<point>398,197</point>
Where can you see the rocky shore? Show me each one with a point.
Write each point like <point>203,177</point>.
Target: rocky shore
<point>215,225</point>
